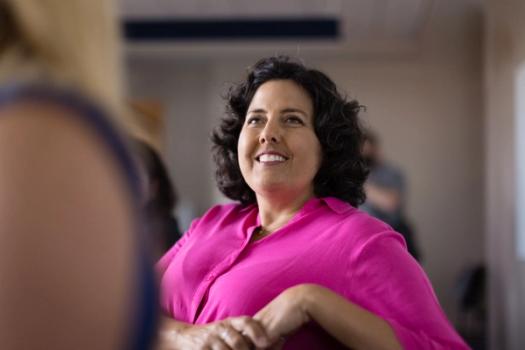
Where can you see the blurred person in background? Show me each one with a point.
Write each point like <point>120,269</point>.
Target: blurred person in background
<point>292,262</point>
<point>160,198</point>
<point>385,191</point>
<point>74,272</point>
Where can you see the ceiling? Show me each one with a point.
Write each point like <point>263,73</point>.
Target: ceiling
<point>365,26</point>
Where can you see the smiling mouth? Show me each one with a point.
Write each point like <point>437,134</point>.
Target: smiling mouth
<point>271,158</point>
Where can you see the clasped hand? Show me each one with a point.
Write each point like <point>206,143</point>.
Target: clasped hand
<point>266,330</point>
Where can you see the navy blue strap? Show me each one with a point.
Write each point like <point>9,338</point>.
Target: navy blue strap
<point>90,114</point>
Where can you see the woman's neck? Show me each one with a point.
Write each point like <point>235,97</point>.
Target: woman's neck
<point>276,211</point>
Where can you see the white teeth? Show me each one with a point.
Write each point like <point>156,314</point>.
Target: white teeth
<point>271,158</point>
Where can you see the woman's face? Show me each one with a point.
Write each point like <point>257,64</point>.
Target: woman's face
<point>278,150</point>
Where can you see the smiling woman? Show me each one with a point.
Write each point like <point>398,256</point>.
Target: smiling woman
<point>278,150</point>
<point>294,264</point>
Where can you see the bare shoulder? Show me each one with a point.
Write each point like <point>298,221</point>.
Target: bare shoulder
<point>65,224</point>
<point>47,126</point>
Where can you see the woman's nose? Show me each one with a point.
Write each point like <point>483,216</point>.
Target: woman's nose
<point>270,134</point>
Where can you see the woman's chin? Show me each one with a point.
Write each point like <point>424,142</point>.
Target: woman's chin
<point>281,190</point>
<point>272,188</point>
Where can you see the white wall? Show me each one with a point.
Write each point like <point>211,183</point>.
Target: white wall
<point>427,107</point>
<point>505,53</point>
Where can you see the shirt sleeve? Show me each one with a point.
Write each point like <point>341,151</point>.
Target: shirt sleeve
<point>388,282</point>
<point>166,259</point>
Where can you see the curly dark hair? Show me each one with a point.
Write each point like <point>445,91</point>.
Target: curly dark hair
<point>336,124</point>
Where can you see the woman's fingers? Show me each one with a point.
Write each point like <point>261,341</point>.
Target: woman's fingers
<point>264,318</point>
<point>218,344</point>
<point>233,338</point>
<point>253,330</point>
<point>238,333</point>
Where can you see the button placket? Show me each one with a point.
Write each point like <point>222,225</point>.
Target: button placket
<point>218,271</point>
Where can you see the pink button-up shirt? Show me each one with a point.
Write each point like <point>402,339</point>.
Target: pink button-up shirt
<point>214,272</point>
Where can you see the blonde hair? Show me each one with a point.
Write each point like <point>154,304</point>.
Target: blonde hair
<point>72,43</point>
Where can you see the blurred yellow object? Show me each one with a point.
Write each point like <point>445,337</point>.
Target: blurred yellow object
<point>147,122</point>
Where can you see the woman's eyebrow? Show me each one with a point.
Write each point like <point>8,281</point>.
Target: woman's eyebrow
<point>258,110</point>
<point>294,110</point>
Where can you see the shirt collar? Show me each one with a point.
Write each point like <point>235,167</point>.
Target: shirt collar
<point>337,205</point>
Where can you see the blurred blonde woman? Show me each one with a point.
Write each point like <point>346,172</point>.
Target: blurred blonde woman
<point>72,271</point>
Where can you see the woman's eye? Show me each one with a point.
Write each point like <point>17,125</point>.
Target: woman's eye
<point>254,120</point>
<point>294,120</point>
